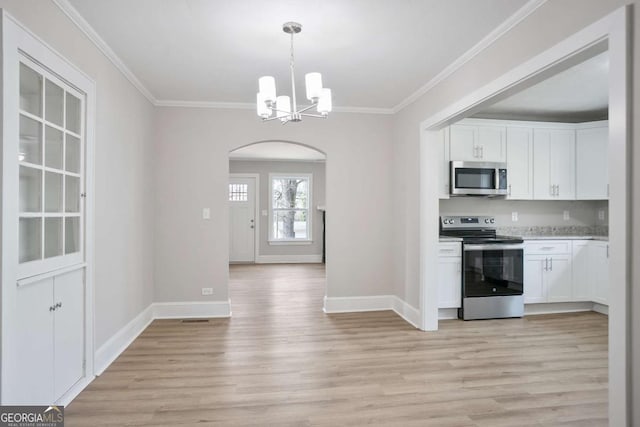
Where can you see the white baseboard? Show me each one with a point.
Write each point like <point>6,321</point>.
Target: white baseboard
<point>557,307</point>
<point>191,309</point>
<point>601,308</point>
<point>288,259</point>
<point>110,350</point>
<point>409,313</point>
<point>355,304</point>
<point>447,313</point>
<point>75,390</point>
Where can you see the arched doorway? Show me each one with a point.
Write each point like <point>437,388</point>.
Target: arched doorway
<point>277,193</point>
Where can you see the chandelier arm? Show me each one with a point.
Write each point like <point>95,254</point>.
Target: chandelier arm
<point>270,118</point>
<point>307,107</point>
<point>320,116</point>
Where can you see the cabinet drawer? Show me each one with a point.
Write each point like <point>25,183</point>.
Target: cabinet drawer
<point>450,249</point>
<point>546,247</point>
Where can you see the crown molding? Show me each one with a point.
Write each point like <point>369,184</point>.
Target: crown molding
<point>249,106</point>
<point>93,36</point>
<point>487,41</point>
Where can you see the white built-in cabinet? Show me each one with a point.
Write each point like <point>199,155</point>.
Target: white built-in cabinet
<point>547,271</point>
<point>554,153</point>
<point>47,311</point>
<point>449,275</point>
<point>599,269</point>
<point>520,163</point>
<point>478,143</point>
<point>592,163</point>
<point>545,161</point>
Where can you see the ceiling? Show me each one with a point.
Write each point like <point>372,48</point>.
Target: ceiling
<point>373,54</point>
<point>578,94</point>
<point>275,150</point>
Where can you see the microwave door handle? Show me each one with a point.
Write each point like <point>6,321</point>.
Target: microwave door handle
<point>497,180</point>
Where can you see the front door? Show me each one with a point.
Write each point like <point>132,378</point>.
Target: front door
<point>242,220</point>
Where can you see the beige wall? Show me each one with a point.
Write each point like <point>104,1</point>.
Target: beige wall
<point>123,171</point>
<point>264,168</point>
<point>192,168</point>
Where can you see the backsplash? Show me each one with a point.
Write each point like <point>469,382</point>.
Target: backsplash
<point>569,230</point>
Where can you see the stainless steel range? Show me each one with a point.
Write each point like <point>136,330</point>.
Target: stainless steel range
<point>492,279</point>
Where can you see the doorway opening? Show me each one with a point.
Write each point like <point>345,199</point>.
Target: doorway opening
<point>277,218</point>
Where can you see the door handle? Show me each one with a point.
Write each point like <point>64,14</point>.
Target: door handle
<point>546,264</point>
<point>482,151</point>
<point>557,189</point>
<point>551,190</point>
<point>550,264</point>
<point>509,189</point>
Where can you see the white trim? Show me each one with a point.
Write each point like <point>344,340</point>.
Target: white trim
<point>600,308</point>
<point>253,159</point>
<point>289,259</point>
<point>357,304</point>
<point>487,41</point>
<point>250,106</point>
<point>75,390</point>
<point>289,242</point>
<point>409,313</point>
<point>95,38</point>
<point>191,309</point>
<point>118,343</point>
<point>447,313</point>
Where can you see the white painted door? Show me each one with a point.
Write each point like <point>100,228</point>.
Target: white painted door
<point>534,277</point>
<point>558,279</point>
<point>463,143</point>
<point>449,282</point>
<point>68,355</point>
<point>242,219</point>
<point>563,163</point>
<point>491,143</point>
<point>520,163</point>
<point>599,255</point>
<point>592,171</point>
<point>580,271</point>
<point>542,189</point>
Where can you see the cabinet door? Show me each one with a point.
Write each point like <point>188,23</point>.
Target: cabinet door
<point>492,144</point>
<point>592,171</point>
<point>68,330</point>
<point>463,140</point>
<point>599,263</point>
<point>558,279</point>
<point>520,163</point>
<point>31,375</point>
<point>562,157</point>
<point>581,277</point>
<point>534,287</point>
<point>449,282</point>
<point>444,164</point>
<point>541,165</point>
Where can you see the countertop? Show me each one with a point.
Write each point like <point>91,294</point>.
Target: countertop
<point>571,237</point>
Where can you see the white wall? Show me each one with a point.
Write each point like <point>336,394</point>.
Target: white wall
<point>123,171</point>
<point>192,168</point>
<point>264,168</point>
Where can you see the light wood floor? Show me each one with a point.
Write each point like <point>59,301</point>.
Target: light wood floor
<point>280,361</point>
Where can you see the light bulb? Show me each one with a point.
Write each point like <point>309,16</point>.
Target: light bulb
<point>313,82</point>
<point>324,102</point>
<point>267,87</point>
<point>263,110</point>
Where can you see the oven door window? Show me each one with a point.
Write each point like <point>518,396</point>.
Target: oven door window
<point>493,272</point>
<point>475,178</point>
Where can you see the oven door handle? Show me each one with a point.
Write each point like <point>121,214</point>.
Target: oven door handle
<point>493,247</point>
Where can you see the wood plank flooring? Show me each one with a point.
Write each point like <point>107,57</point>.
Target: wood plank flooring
<point>280,361</point>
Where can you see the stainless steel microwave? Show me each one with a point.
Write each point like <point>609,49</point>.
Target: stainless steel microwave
<point>478,179</point>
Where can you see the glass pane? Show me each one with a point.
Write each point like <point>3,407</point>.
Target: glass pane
<point>474,178</point>
<point>290,225</point>
<point>53,192</point>
<point>290,192</point>
<point>52,237</point>
<point>30,189</point>
<point>72,154</point>
<point>30,91</point>
<point>52,148</point>
<point>54,103</point>
<point>72,235</point>
<point>73,113</point>
<point>30,141</point>
<point>29,235</point>
<point>238,192</point>
<point>72,196</point>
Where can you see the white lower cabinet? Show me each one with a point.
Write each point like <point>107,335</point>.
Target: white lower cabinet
<point>580,266</point>
<point>599,264</point>
<point>49,353</point>
<point>449,275</point>
<point>547,278</point>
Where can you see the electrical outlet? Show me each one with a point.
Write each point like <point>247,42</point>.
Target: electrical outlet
<point>206,213</point>
<point>514,216</point>
<point>601,214</point>
<point>207,291</point>
<point>565,215</point>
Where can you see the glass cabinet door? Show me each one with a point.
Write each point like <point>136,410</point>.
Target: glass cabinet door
<point>51,168</point>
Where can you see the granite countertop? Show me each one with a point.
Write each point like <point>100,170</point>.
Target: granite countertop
<point>571,232</point>
<point>567,237</point>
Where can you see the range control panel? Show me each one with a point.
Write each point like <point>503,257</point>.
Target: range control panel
<point>467,222</point>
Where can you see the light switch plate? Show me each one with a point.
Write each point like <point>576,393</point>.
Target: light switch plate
<point>207,291</point>
<point>206,213</point>
<point>514,216</point>
<point>566,216</point>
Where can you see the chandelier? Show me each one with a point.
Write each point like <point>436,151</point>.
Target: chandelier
<point>285,108</point>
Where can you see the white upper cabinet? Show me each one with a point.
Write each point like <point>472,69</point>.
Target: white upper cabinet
<point>520,163</point>
<point>478,143</point>
<point>554,164</point>
<point>592,172</point>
